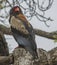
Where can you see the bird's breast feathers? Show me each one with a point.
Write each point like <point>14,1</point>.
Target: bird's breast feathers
<point>18,25</point>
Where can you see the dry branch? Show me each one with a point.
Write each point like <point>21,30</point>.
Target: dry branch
<point>4,51</point>
<point>38,32</point>
<point>6,59</point>
<point>49,35</point>
<point>5,30</point>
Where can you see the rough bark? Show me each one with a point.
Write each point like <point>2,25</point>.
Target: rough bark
<point>53,55</point>
<point>22,57</point>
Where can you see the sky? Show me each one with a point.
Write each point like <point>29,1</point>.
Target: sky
<point>46,44</point>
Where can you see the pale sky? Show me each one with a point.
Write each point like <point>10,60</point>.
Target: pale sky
<point>46,44</point>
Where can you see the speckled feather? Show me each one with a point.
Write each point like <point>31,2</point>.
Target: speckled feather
<point>18,25</point>
<point>23,31</point>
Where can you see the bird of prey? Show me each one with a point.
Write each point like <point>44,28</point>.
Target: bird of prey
<point>22,31</point>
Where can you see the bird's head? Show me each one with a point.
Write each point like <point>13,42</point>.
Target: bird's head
<point>15,11</point>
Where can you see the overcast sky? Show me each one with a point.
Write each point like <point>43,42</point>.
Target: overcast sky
<point>44,43</point>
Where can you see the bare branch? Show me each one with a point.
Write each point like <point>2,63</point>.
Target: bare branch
<point>5,30</point>
<point>9,3</point>
<point>6,59</point>
<point>31,9</point>
<point>50,2</point>
<point>49,35</point>
<point>46,34</point>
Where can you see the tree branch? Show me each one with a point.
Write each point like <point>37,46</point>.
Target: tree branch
<point>6,59</point>
<point>5,30</point>
<point>4,51</point>
<point>49,35</point>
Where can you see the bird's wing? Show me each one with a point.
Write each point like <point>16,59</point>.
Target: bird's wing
<point>18,25</point>
<point>23,18</point>
<point>27,25</point>
<point>26,43</point>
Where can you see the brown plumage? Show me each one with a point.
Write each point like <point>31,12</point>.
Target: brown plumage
<point>22,31</point>
<point>15,23</point>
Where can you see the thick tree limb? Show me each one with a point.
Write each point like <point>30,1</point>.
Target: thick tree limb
<point>4,51</point>
<point>5,30</point>
<point>52,35</point>
<point>6,59</point>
